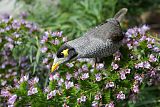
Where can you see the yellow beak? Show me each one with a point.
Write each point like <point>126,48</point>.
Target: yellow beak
<point>56,63</point>
<point>54,67</point>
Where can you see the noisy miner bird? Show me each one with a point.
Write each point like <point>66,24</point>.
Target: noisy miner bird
<point>98,42</point>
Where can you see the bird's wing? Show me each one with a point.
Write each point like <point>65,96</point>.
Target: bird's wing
<point>95,47</point>
<point>110,30</point>
<point>87,46</point>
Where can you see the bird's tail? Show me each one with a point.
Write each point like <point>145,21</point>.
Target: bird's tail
<point>120,14</point>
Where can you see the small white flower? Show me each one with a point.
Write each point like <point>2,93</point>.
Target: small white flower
<point>94,104</point>
<point>12,99</point>
<point>32,91</point>
<point>98,77</point>
<point>69,84</point>
<point>36,79</point>
<point>85,76</point>
<point>83,98</point>
<point>120,95</point>
<point>51,94</point>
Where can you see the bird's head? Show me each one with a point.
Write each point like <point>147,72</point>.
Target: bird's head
<point>64,54</point>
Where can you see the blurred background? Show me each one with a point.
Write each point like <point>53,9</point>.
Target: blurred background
<point>75,16</point>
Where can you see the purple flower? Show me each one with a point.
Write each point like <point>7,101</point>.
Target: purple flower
<point>44,39</point>
<point>143,38</point>
<point>2,30</point>
<point>85,76</point>
<point>131,32</point>
<point>100,66</point>
<point>156,49</point>
<point>8,28</point>
<point>65,105</point>
<point>129,46</point>
<point>46,89</point>
<point>98,96</point>
<point>117,56</point>
<point>28,25</point>
<point>44,49</point>
<point>94,104</point>
<point>152,58</point>
<point>143,29</point>
<point>76,74</point>
<point>54,77</point>
<point>9,45</point>
<point>153,41</point>
<point>32,91</point>
<point>7,75</point>
<point>70,65</point>
<point>5,19</point>
<point>45,61</point>
<point>110,85</point>
<point>120,95</point>
<point>15,24</point>
<point>16,35</point>
<point>3,82</point>
<point>83,98</point>
<point>60,82</point>
<point>69,84</point>
<point>51,94</point>
<point>46,34</point>
<point>135,43</point>
<point>111,104</point>
<point>139,65</point>
<point>135,88</point>
<point>115,66</point>
<point>5,93</point>
<point>57,33</point>
<point>23,15</point>
<point>98,77</point>
<point>146,64</point>
<point>152,73</point>
<point>9,39</point>
<point>137,77</point>
<point>24,78</point>
<point>84,67</point>
<point>149,46</point>
<point>127,71</point>
<point>68,76</point>
<point>78,100</point>
<point>56,42</point>
<point>10,105</point>
<point>64,39</point>
<point>12,99</point>
<point>77,86</point>
<point>35,80</point>
<point>122,75</point>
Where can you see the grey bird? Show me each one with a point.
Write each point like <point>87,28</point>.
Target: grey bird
<point>98,42</point>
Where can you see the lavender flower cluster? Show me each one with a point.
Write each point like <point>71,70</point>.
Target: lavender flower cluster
<point>75,83</point>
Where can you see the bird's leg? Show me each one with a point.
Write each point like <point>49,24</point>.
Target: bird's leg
<point>95,63</point>
<point>97,60</point>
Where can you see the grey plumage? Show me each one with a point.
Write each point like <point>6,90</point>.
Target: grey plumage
<point>100,41</point>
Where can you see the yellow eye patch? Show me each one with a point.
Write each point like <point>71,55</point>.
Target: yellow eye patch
<point>65,52</point>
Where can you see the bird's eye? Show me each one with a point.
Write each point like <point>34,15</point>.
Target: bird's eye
<point>61,55</point>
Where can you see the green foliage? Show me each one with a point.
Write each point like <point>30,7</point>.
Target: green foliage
<point>71,16</point>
